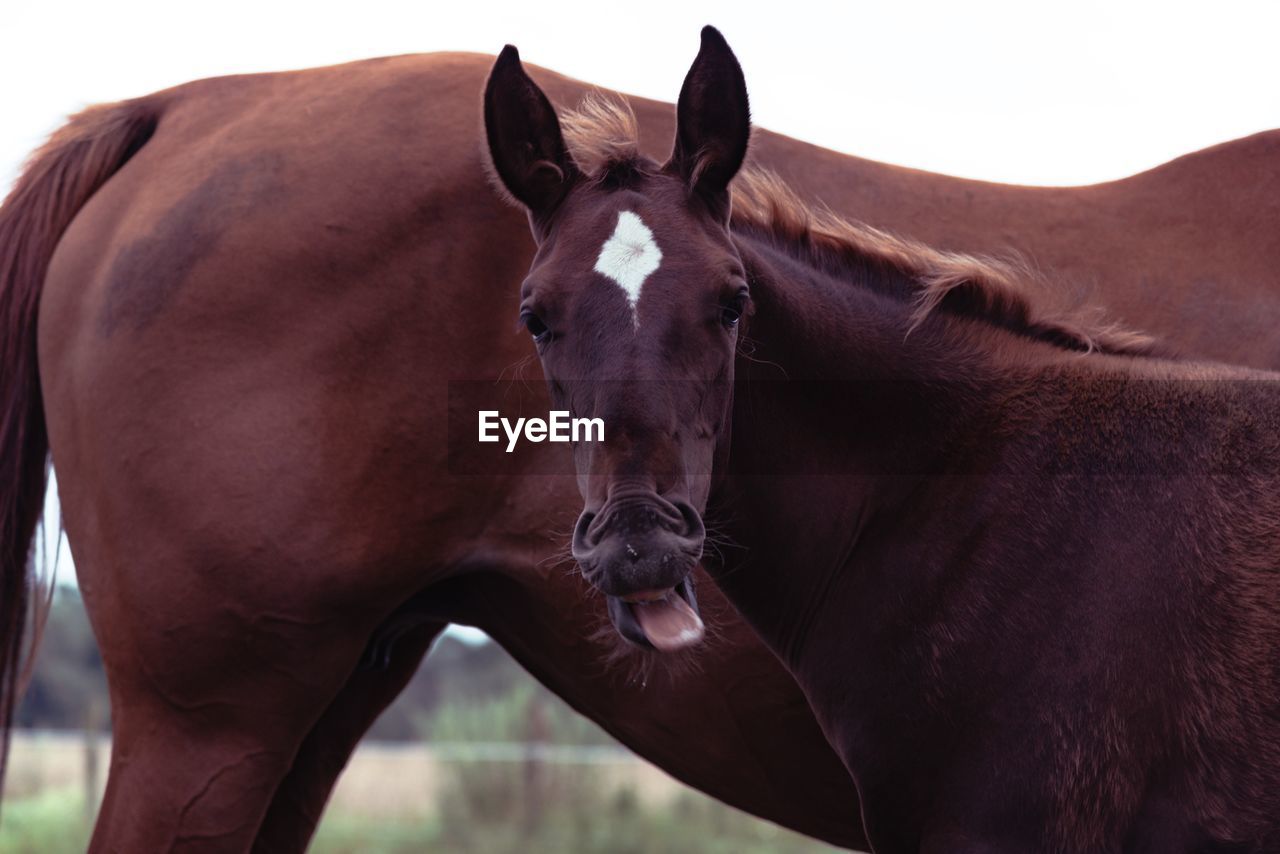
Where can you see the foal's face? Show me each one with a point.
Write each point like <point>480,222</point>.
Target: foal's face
<point>634,301</point>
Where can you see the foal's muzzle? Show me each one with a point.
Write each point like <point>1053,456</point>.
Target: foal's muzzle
<point>639,550</point>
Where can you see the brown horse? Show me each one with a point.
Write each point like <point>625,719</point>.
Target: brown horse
<point>1025,569</point>
<point>251,292</point>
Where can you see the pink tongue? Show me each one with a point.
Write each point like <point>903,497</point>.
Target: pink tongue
<point>670,623</point>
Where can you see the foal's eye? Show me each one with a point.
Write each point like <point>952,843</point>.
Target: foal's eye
<point>731,311</point>
<point>536,327</point>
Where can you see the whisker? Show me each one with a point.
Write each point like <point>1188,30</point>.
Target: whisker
<point>516,367</point>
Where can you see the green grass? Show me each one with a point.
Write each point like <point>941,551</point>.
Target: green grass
<point>693,824</point>
<point>53,823</point>
<point>49,823</point>
<point>343,833</point>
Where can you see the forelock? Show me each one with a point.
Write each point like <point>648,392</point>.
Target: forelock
<point>604,138</point>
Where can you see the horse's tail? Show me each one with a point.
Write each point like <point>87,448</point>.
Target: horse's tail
<point>57,181</point>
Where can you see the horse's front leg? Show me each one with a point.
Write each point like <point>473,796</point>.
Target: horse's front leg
<point>299,802</point>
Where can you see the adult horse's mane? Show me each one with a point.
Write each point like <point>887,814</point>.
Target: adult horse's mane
<point>603,136</point>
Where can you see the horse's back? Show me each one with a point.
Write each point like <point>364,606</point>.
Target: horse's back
<point>317,173</point>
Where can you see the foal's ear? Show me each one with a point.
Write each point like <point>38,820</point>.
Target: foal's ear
<point>713,120</point>
<point>525,142</point>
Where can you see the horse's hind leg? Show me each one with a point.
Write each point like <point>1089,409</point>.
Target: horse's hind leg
<point>199,776</point>
<point>177,787</point>
<point>211,700</point>
<point>299,801</point>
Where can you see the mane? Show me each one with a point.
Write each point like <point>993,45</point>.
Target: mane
<point>602,134</point>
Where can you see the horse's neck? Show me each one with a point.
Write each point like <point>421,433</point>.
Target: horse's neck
<point>843,414</point>
<point>860,375</point>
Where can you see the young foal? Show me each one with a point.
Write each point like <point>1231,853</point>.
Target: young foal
<point>1025,572</point>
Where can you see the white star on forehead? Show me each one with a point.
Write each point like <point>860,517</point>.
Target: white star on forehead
<point>628,257</point>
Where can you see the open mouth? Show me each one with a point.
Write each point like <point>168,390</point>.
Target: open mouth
<point>665,620</point>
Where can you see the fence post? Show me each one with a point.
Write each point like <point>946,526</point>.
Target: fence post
<point>92,727</point>
<point>535,772</point>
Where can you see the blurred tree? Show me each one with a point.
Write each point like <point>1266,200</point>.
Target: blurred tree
<point>68,677</point>
<point>457,675</point>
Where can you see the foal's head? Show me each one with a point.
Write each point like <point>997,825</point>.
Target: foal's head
<point>634,300</point>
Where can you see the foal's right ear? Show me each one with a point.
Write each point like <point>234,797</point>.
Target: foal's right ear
<point>525,142</point>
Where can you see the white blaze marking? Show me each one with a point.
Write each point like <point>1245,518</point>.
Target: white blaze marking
<point>628,257</point>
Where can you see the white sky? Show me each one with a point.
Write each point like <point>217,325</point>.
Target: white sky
<point>1023,92</point>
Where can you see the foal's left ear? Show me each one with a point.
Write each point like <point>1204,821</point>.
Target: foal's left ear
<point>525,142</point>
<point>713,120</point>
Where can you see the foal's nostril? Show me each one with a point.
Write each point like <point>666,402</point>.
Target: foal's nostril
<point>693,527</point>
<point>632,554</point>
<point>582,541</point>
